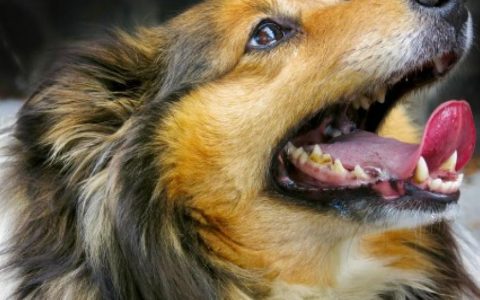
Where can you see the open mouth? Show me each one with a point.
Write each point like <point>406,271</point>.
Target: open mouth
<point>338,151</point>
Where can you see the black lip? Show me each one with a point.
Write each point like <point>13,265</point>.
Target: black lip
<point>353,201</point>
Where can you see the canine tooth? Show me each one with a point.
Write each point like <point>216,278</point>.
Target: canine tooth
<point>451,163</point>
<point>339,168</point>
<point>360,173</point>
<point>421,172</point>
<point>297,153</point>
<point>435,185</point>
<point>365,103</point>
<point>303,158</point>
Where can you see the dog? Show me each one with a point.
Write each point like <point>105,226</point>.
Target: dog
<point>247,150</point>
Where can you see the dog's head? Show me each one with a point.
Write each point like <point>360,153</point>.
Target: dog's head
<point>289,128</point>
<point>274,128</point>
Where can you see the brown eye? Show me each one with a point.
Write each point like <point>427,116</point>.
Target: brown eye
<point>267,35</point>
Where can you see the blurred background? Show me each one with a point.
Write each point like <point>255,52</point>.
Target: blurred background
<point>33,34</point>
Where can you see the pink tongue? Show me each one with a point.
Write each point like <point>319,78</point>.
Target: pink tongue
<point>450,128</point>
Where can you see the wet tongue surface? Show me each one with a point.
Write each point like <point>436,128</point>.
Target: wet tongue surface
<point>450,128</point>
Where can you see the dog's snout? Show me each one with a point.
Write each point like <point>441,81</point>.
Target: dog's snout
<point>452,11</point>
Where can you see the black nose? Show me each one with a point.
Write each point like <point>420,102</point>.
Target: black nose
<point>452,11</point>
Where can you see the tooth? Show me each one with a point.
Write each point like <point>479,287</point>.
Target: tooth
<point>332,132</point>
<point>421,172</point>
<point>460,179</point>
<point>325,159</point>
<point>365,102</point>
<point>303,158</point>
<point>360,173</point>
<point>317,150</point>
<point>318,157</point>
<point>336,133</point>
<point>435,185</point>
<point>448,186</point>
<point>297,153</point>
<point>458,183</point>
<point>439,65</point>
<point>316,154</point>
<point>290,148</point>
<point>338,168</point>
<point>451,163</point>
<point>380,94</point>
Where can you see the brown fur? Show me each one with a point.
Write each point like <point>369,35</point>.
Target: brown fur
<point>142,164</point>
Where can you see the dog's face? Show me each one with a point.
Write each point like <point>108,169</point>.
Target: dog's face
<point>241,148</point>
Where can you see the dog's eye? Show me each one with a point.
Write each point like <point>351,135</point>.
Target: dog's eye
<point>267,35</point>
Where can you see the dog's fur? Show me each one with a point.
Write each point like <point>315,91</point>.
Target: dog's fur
<point>140,169</point>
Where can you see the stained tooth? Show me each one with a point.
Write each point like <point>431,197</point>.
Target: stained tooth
<point>421,172</point>
<point>435,185</point>
<point>303,158</point>
<point>365,103</point>
<point>359,173</point>
<point>327,159</point>
<point>322,159</point>
<point>338,168</point>
<point>451,163</point>
<point>297,153</point>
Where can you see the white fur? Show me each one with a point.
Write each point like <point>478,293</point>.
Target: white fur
<point>410,219</point>
<point>359,277</point>
<point>470,251</point>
